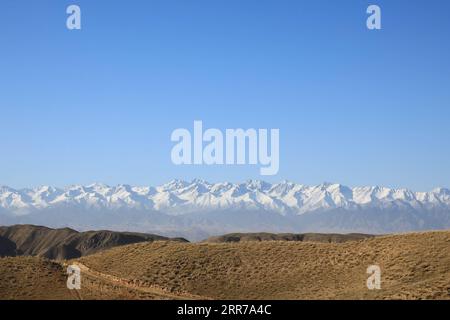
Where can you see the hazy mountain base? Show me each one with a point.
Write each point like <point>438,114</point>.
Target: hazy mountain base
<point>201,225</point>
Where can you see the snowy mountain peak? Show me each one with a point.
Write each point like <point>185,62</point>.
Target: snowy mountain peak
<point>180,197</point>
<point>441,191</point>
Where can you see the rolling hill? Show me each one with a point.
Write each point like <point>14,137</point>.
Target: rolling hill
<point>414,266</point>
<point>32,278</point>
<point>60,244</point>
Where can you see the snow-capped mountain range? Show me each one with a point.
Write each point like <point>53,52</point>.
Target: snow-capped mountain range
<point>214,208</point>
<point>181,197</point>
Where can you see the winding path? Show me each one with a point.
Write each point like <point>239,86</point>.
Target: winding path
<point>158,292</point>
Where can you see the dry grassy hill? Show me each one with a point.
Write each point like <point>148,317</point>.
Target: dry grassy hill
<point>32,278</point>
<point>414,266</point>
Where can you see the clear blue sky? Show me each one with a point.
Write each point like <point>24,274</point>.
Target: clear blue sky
<point>353,106</point>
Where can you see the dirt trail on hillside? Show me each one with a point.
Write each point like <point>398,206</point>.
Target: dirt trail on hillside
<point>157,292</point>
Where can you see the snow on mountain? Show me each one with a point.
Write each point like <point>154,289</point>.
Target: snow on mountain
<point>180,197</point>
<point>198,209</point>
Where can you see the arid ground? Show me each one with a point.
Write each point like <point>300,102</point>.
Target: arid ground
<point>414,266</point>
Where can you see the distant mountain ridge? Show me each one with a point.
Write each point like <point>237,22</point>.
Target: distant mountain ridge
<point>64,243</point>
<point>303,237</point>
<point>180,197</point>
<point>199,209</point>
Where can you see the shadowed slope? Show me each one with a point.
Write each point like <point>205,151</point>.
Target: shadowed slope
<point>7,248</point>
<point>66,243</point>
